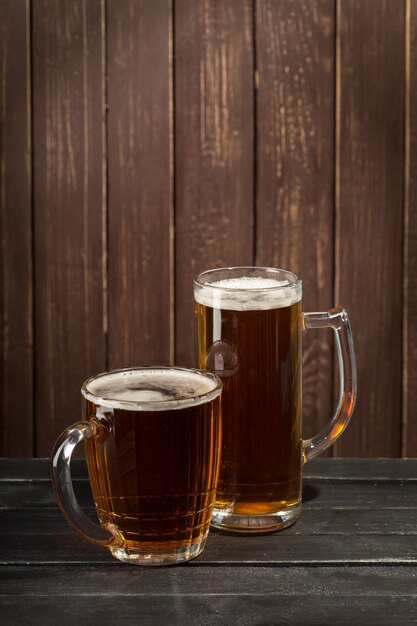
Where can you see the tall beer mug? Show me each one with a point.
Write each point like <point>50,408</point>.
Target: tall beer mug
<point>248,324</point>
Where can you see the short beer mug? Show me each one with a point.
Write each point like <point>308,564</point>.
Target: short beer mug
<point>152,440</point>
<point>249,323</point>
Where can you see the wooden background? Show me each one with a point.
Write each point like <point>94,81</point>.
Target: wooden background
<point>142,141</point>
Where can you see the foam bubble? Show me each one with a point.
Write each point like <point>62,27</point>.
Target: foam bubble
<point>151,389</point>
<point>250,282</point>
<point>248,293</point>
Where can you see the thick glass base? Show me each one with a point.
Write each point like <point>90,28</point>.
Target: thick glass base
<point>155,558</point>
<point>252,524</point>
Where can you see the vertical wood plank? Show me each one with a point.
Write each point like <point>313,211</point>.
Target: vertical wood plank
<point>369,203</point>
<point>295,151</point>
<point>16,331</point>
<point>409,441</point>
<point>213,147</point>
<point>68,180</point>
<point>140,182</point>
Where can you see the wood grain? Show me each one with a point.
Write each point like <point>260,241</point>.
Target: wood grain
<point>273,112</point>
<point>320,470</point>
<point>295,128</point>
<point>213,147</point>
<point>16,321</point>
<point>14,523</point>
<point>286,549</point>
<point>221,610</point>
<point>369,201</point>
<point>68,178</point>
<point>376,595</point>
<point>372,610</point>
<point>357,495</point>
<point>409,433</point>
<point>140,183</point>
<point>351,556</point>
<point>114,579</point>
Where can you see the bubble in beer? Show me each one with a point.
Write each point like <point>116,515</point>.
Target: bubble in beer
<point>222,359</point>
<point>248,293</point>
<point>152,388</point>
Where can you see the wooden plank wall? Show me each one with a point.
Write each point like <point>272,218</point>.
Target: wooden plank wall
<point>214,126</point>
<point>142,141</point>
<point>16,269</point>
<point>68,141</point>
<point>369,206</point>
<point>295,169</point>
<point>409,388</point>
<point>140,185</point>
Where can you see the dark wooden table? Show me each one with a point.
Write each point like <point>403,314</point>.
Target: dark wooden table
<point>352,558</point>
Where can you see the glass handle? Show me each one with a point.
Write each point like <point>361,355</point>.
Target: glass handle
<point>337,319</point>
<point>64,491</point>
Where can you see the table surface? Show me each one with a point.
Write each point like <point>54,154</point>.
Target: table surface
<point>351,557</point>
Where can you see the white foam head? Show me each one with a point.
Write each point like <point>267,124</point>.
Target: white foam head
<point>151,389</point>
<point>249,293</point>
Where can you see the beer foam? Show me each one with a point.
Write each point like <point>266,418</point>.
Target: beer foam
<point>248,293</point>
<point>151,389</point>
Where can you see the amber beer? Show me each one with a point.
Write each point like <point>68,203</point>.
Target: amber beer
<point>153,460</point>
<point>248,333</point>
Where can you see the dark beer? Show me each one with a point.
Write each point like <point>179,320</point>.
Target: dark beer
<point>248,333</point>
<point>153,463</point>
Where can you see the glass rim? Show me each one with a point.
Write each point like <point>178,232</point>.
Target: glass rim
<point>154,405</point>
<point>198,282</point>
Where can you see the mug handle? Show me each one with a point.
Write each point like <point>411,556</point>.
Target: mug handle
<point>337,319</point>
<point>64,491</point>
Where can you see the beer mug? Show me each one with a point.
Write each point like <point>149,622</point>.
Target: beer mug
<point>152,441</point>
<point>248,324</point>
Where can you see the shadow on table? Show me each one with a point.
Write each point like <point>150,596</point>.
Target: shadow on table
<point>309,493</point>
